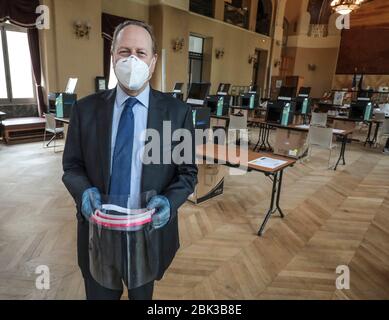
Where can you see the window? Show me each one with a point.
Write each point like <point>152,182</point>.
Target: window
<point>16,79</point>
<point>236,13</point>
<point>203,7</point>
<point>196,46</point>
<point>264,15</point>
<point>3,85</point>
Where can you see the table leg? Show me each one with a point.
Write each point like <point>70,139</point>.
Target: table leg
<point>279,193</point>
<point>274,202</point>
<point>377,126</point>
<point>267,137</point>
<point>368,134</point>
<point>263,137</point>
<point>259,137</point>
<point>51,140</point>
<point>342,152</point>
<point>65,131</point>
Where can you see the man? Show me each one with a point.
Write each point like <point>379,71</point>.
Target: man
<point>100,157</point>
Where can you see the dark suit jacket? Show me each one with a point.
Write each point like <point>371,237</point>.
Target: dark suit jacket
<point>86,163</point>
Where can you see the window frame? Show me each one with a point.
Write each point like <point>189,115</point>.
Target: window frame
<point>196,56</point>
<point>4,27</point>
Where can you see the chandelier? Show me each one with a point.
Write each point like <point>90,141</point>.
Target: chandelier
<point>344,7</point>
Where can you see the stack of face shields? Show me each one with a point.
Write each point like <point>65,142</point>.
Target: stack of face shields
<point>118,218</point>
<point>123,247</point>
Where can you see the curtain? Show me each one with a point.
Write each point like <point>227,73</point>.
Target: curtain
<point>19,12</point>
<point>107,58</point>
<point>22,13</point>
<point>108,25</point>
<point>33,42</point>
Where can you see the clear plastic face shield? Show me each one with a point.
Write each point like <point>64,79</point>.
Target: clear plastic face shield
<point>121,249</point>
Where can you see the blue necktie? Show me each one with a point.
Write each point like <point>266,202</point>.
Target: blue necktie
<point>120,184</point>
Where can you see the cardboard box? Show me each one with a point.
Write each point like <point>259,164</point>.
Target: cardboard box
<point>210,182</point>
<point>291,143</point>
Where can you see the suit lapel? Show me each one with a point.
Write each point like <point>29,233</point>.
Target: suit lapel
<point>104,130</point>
<point>156,116</point>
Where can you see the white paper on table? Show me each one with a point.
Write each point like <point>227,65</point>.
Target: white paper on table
<point>71,85</point>
<point>303,126</point>
<point>266,162</point>
<point>338,131</point>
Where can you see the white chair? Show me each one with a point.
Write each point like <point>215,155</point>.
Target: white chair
<point>51,127</point>
<point>319,119</point>
<point>237,122</point>
<point>385,130</point>
<point>321,138</point>
<point>385,108</point>
<point>380,116</point>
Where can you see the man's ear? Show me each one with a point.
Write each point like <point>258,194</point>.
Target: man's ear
<point>112,60</point>
<point>153,63</point>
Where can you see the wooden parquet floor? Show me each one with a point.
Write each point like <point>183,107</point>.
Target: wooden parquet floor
<point>332,218</point>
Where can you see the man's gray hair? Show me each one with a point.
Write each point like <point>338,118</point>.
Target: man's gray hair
<point>141,24</point>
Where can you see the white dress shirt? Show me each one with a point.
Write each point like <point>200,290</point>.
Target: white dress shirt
<point>140,110</point>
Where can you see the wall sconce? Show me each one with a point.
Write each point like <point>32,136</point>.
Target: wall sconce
<point>311,67</point>
<point>277,63</point>
<point>82,29</point>
<point>178,44</point>
<point>219,53</point>
<point>252,58</point>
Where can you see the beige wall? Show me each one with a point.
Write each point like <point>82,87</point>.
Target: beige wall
<point>138,10</point>
<point>320,79</point>
<point>82,58</point>
<point>63,54</point>
<point>48,53</point>
<point>156,20</point>
<point>322,52</point>
<point>180,4</point>
<point>292,14</point>
<point>279,11</point>
<point>239,44</point>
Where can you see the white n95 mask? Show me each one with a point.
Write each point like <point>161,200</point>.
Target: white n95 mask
<point>132,72</point>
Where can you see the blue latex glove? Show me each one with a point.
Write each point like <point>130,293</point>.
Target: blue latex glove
<point>91,200</point>
<point>162,211</point>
